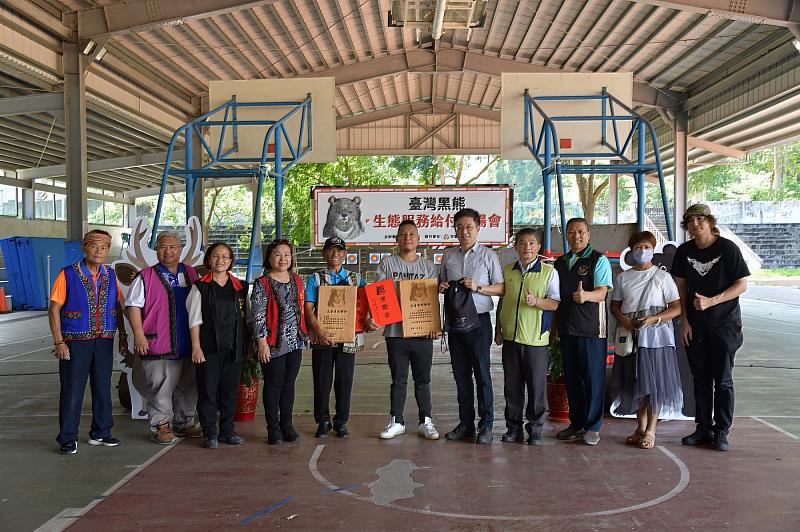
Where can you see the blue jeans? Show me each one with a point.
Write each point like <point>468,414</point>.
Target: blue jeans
<point>584,375</point>
<point>469,354</point>
<point>88,360</point>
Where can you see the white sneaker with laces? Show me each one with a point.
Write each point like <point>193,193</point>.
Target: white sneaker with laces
<point>427,430</point>
<point>392,429</point>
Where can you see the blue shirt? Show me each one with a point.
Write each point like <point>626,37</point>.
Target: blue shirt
<point>333,278</point>
<point>602,270</point>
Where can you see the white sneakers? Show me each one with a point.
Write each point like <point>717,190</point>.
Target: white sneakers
<point>392,429</point>
<point>427,430</point>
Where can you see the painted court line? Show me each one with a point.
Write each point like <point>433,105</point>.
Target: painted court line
<point>69,516</point>
<point>681,485</point>
<point>249,519</point>
<point>770,425</point>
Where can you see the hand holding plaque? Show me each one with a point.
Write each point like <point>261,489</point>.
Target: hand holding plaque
<point>419,300</point>
<point>336,312</point>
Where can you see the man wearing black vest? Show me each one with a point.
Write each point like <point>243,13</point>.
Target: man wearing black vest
<point>585,280</point>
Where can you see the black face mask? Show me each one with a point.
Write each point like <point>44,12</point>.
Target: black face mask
<point>460,313</point>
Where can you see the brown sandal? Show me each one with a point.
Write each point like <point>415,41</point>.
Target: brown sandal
<point>635,438</point>
<point>648,440</point>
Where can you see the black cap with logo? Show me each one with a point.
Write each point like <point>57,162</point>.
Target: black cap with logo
<point>334,242</point>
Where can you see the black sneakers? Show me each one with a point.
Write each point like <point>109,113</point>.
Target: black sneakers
<point>231,439</point>
<point>484,436</point>
<point>108,442</point>
<point>70,447</point>
<point>290,435</point>
<point>323,429</point>
<point>720,442</point>
<point>698,437</point>
<point>460,432</point>
<point>341,431</point>
<point>571,433</point>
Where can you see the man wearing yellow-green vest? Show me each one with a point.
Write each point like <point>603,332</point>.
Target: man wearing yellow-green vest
<point>525,315</point>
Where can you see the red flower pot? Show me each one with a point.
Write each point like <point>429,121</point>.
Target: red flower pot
<point>248,400</point>
<point>557,400</point>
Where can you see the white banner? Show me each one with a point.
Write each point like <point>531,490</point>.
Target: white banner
<point>369,216</point>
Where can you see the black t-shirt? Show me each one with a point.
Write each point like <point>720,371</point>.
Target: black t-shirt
<point>708,272</point>
<point>225,298</point>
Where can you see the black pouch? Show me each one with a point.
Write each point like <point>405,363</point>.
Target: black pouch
<point>459,308</point>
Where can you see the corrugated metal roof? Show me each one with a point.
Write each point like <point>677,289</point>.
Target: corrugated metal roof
<point>385,72</point>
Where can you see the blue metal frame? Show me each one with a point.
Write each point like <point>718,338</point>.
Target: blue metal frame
<point>545,149</point>
<point>280,161</point>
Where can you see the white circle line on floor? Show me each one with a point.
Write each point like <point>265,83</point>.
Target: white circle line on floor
<point>683,482</point>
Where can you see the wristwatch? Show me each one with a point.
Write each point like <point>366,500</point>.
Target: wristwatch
<point>478,289</point>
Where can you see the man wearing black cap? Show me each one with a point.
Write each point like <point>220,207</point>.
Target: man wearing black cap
<point>711,274</point>
<point>326,356</point>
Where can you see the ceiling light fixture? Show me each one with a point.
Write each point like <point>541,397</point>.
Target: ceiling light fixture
<point>87,49</point>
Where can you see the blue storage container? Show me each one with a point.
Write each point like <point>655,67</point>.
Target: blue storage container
<point>43,259</point>
<point>15,289</point>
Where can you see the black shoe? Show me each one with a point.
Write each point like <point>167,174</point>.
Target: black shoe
<point>70,447</point>
<point>484,436</point>
<point>535,439</point>
<point>512,435</point>
<point>460,432</point>
<point>290,435</point>
<point>341,431</point>
<point>323,429</point>
<point>231,439</point>
<point>274,437</point>
<point>211,442</point>
<point>571,433</point>
<point>110,441</point>
<point>720,442</point>
<point>698,437</point>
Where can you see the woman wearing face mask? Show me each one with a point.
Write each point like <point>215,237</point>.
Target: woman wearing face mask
<point>647,382</point>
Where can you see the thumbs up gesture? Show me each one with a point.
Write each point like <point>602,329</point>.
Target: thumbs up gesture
<point>530,300</point>
<point>701,302</point>
<point>579,295</point>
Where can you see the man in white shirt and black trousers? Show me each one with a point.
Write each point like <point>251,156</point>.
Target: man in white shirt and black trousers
<point>479,269</point>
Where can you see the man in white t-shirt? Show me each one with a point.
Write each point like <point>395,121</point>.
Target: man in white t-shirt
<point>418,352</point>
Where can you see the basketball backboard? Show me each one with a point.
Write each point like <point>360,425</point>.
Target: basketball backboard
<point>574,136</point>
<point>251,138</point>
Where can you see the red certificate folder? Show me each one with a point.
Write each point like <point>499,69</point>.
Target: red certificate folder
<point>383,303</point>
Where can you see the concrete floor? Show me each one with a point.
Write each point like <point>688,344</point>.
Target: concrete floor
<point>362,483</point>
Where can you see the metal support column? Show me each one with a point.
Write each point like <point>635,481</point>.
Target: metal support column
<point>681,173</point>
<point>547,183</point>
<point>639,176</point>
<point>278,190</point>
<point>613,198</point>
<point>28,203</point>
<point>198,202</point>
<point>75,139</point>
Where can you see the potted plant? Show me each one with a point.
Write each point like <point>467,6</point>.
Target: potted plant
<point>556,389</point>
<point>248,390</point>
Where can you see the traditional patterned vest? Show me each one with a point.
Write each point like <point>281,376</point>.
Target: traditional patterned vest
<point>521,323</point>
<point>158,314</point>
<point>589,319</point>
<point>89,310</point>
<point>275,309</point>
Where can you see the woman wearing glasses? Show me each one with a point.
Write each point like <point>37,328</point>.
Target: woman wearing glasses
<point>217,306</point>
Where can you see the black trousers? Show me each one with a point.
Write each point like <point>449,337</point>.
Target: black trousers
<point>584,376</point>
<point>525,366</point>
<point>280,375</point>
<point>332,366</point>
<point>469,355</point>
<point>711,355</point>
<point>218,389</point>
<point>88,360</point>
<point>419,353</point>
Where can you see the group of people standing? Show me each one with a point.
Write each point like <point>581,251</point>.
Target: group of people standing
<point>193,334</point>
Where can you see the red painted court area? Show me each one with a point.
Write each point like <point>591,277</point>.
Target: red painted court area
<point>363,483</point>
